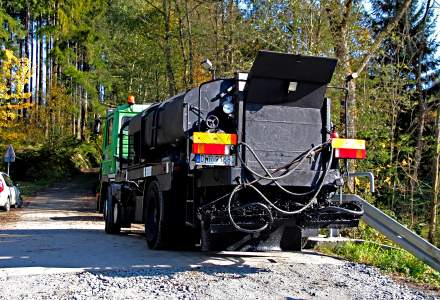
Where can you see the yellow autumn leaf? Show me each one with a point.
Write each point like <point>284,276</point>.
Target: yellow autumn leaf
<point>14,74</point>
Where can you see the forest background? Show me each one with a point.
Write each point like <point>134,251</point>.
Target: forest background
<point>64,62</point>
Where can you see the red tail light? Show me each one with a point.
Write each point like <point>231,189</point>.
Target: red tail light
<point>211,149</point>
<point>349,148</point>
<point>213,143</point>
<point>2,186</point>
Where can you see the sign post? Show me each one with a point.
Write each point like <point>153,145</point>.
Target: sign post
<point>9,156</point>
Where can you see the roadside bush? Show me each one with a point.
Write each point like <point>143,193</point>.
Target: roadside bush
<point>55,159</point>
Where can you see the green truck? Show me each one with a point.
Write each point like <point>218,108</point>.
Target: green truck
<point>114,119</point>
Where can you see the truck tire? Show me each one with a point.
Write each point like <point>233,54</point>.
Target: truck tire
<point>156,216</point>
<point>292,239</point>
<point>164,220</point>
<point>111,215</point>
<point>100,200</point>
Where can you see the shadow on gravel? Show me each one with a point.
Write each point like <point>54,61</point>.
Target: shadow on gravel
<point>95,251</point>
<point>62,203</point>
<point>237,271</point>
<point>79,218</point>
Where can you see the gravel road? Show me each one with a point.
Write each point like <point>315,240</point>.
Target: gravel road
<point>56,248</point>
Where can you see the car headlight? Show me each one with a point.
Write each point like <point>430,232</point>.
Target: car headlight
<point>228,107</point>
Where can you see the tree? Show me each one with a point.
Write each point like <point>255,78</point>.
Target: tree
<point>339,17</point>
<point>410,46</point>
<point>14,74</point>
<point>432,236</point>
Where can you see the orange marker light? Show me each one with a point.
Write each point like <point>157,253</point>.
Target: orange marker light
<point>130,100</point>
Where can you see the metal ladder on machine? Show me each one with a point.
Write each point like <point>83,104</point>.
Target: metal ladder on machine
<point>393,230</point>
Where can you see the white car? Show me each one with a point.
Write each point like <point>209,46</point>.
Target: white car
<point>9,193</point>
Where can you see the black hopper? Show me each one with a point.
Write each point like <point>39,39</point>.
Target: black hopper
<point>285,112</point>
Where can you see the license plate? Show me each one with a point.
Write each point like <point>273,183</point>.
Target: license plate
<point>215,160</point>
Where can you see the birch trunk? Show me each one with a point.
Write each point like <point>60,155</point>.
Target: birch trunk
<point>432,236</point>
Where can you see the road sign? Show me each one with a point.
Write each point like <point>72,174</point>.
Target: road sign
<point>10,154</point>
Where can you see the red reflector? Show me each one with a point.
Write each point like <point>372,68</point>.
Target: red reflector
<point>217,149</point>
<point>351,153</point>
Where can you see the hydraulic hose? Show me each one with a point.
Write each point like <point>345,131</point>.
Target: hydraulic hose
<point>271,178</point>
<point>297,160</point>
<point>270,203</point>
<point>238,227</point>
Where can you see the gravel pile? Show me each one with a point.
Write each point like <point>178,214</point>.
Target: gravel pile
<point>269,281</point>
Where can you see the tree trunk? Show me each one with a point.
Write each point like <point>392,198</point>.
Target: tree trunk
<point>190,45</point>
<point>182,45</point>
<point>417,156</point>
<point>83,95</point>
<point>421,123</point>
<point>55,66</point>
<point>230,42</point>
<point>78,93</point>
<point>339,27</point>
<point>432,236</point>
<point>48,60</point>
<point>167,49</point>
<point>223,53</point>
<point>31,51</point>
<point>41,68</point>
<point>37,66</point>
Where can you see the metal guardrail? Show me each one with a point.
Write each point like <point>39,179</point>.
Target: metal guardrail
<point>398,233</point>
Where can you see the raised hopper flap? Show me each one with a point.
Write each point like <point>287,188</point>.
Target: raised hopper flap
<point>295,80</point>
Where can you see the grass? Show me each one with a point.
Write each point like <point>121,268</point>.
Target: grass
<point>395,261</point>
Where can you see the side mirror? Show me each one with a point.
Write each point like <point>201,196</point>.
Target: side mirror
<point>97,126</point>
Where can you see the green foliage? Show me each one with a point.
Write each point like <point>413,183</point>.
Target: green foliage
<point>86,155</point>
<point>55,160</point>
<point>387,259</point>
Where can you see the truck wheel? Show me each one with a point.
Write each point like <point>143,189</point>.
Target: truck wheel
<point>292,239</point>
<point>155,224</point>
<point>111,215</point>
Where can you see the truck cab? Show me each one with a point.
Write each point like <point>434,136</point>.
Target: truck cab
<point>114,120</point>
